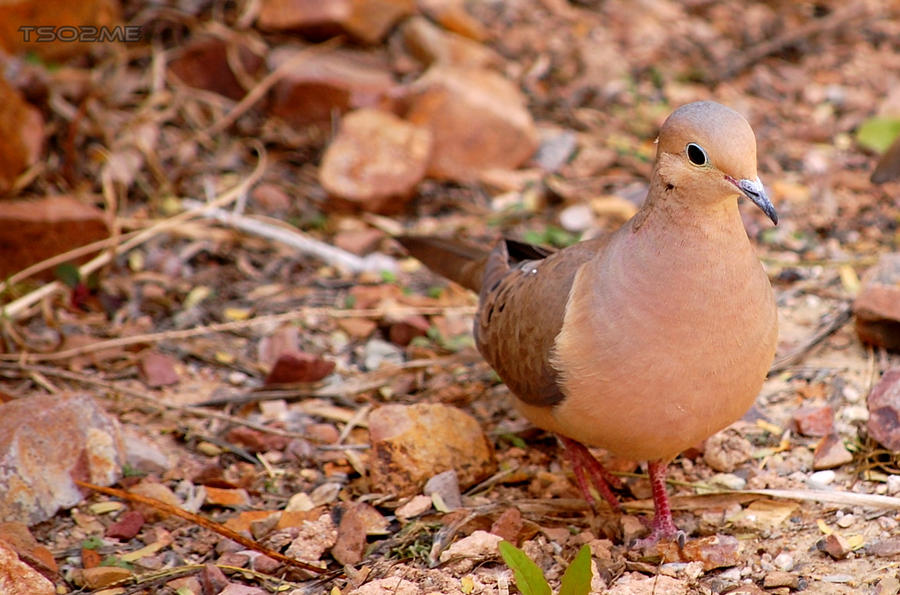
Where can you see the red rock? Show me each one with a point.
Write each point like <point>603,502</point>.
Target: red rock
<point>376,161</point>
<point>404,331</point>
<point>156,491</point>
<point>358,521</point>
<point>814,421</point>
<point>102,576</point>
<point>34,230</point>
<point>508,524</point>
<point>877,306</point>
<point>318,86</point>
<point>28,13</point>
<point>17,536</point>
<point>884,410</point>
<point>366,20</point>
<point>157,369</point>
<point>256,441</point>
<point>412,443</point>
<point>830,453</point>
<point>271,199</point>
<point>203,64</point>
<point>478,119</point>
<point>714,551</point>
<point>90,558</point>
<point>229,498</point>
<point>358,241</point>
<point>296,366</point>
<point>126,526</point>
<point>835,546</point>
<point>22,131</point>
<point>46,442</point>
<point>430,44</point>
<point>358,328</point>
<point>18,578</point>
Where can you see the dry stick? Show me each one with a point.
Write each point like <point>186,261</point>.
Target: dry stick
<point>759,51</point>
<point>229,326</point>
<point>203,522</point>
<point>838,319</point>
<point>15,309</point>
<point>294,238</point>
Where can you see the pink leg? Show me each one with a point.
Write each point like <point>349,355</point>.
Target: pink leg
<point>663,526</point>
<point>584,464</point>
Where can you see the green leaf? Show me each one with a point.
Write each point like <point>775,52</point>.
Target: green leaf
<point>68,274</point>
<point>877,134</point>
<point>529,577</point>
<point>577,578</point>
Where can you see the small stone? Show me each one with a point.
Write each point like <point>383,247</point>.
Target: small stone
<point>239,589</point>
<point>725,450</point>
<point>714,551</point>
<point>835,546</point>
<point>577,218</point>
<point>101,576</point>
<point>893,485</point>
<point>297,366</point>
<point>39,471</point>
<point>729,481</point>
<point>845,521</point>
<point>387,586</point>
<point>404,331</point>
<point>509,524</point>
<point>358,521</point>
<point>820,480</point>
<point>376,161</point>
<point>325,493</point>
<point>632,528</point>
<point>777,578</point>
<point>886,548</point>
<point>478,120</point>
<point>358,241</point>
<point>430,44</point>
<point>556,148</point>
<point>314,539</point>
<point>156,491</point>
<point>157,369</point>
<point>318,85</point>
<point>417,505</point>
<point>204,63</point>
<point>126,526</point>
<point>44,226</point>
<point>446,486</point>
<point>831,452</point>
<point>378,352</point>
<point>884,410</point>
<point>358,328</point>
<point>270,199</point>
<point>477,547</point>
<point>784,562</point>
<point>412,443</point>
<point>877,305</point>
<point>300,502</point>
<point>814,421</point>
<point>229,498</point>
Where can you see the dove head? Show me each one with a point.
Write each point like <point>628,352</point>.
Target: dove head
<point>707,154</point>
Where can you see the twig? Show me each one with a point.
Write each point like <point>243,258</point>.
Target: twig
<point>303,243</point>
<point>838,319</point>
<point>15,309</point>
<point>792,37</point>
<point>229,326</point>
<point>203,522</point>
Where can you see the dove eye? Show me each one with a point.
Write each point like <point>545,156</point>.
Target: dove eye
<point>696,154</point>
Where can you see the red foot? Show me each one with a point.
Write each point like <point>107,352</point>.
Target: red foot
<point>583,462</point>
<point>663,527</point>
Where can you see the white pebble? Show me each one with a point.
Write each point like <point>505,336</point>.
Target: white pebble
<point>784,561</point>
<point>820,479</point>
<point>845,521</point>
<point>893,484</point>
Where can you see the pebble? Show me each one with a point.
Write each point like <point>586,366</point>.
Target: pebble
<point>893,484</point>
<point>378,352</point>
<point>820,479</point>
<point>729,481</point>
<point>845,521</point>
<point>577,218</point>
<point>784,561</point>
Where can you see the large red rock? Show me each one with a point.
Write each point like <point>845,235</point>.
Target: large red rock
<point>366,20</point>
<point>204,64</point>
<point>22,131</point>
<point>319,86</point>
<point>18,578</point>
<point>34,230</point>
<point>478,119</point>
<point>375,161</point>
<point>412,443</point>
<point>46,442</point>
<point>877,307</point>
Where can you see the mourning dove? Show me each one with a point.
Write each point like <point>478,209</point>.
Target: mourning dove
<point>644,342</point>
